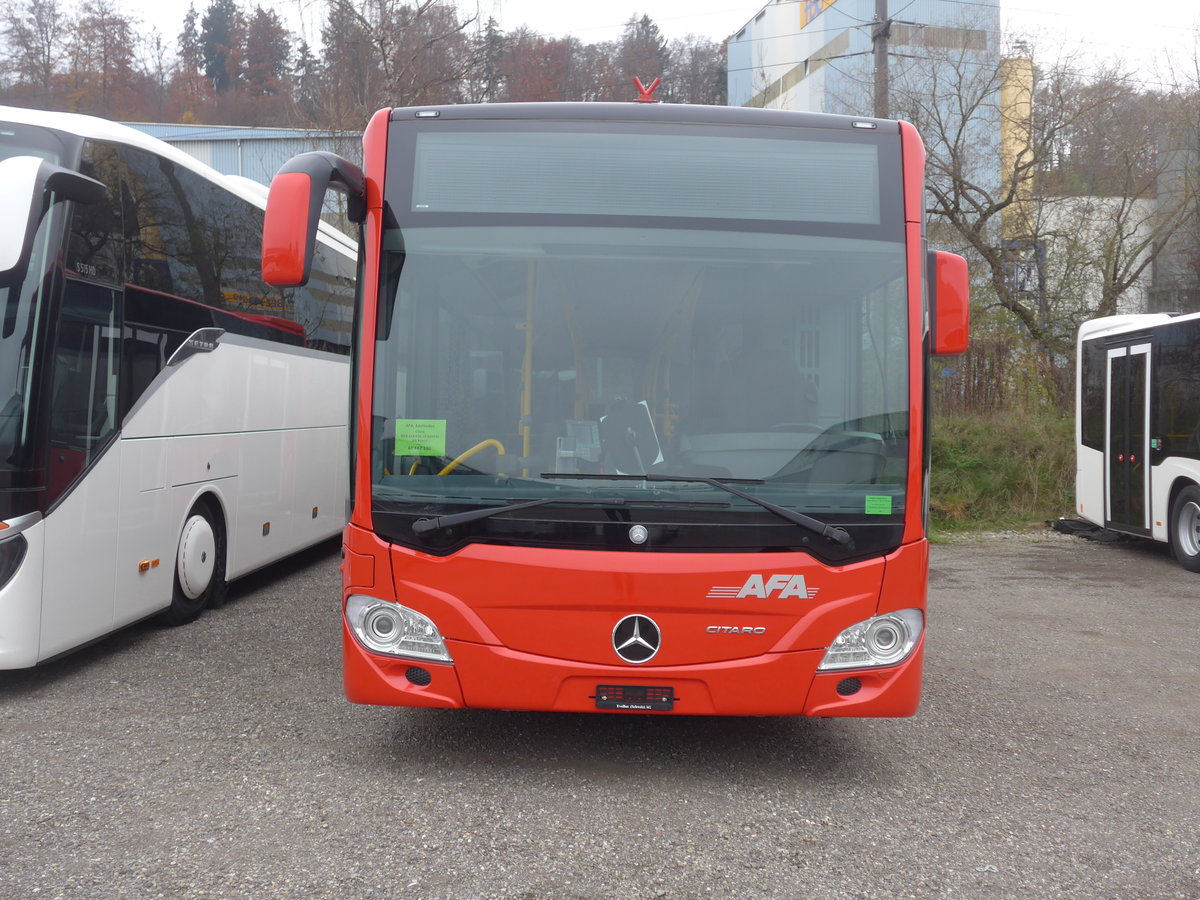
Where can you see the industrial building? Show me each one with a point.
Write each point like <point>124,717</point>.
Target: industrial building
<point>818,55</point>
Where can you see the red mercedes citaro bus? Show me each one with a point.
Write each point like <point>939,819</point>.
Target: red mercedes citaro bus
<point>640,407</point>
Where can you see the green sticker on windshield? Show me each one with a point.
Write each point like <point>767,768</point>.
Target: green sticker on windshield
<point>420,437</point>
<point>878,506</point>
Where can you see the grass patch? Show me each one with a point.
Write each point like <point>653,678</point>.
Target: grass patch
<point>996,471</point>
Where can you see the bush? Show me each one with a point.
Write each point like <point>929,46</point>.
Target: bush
<point>1001,471</point>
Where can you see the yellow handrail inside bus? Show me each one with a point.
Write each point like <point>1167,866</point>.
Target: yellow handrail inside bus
<point>527,363</point>
<point>467,454</point>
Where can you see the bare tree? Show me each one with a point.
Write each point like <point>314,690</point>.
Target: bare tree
<point>1049,194</point>
<point>156,63</point>
<point>697,71</point>
<point>485,80</point>
<point>410,53</point>
<point>101,60</point>
<point>1176,283</point>
<point>37,44</point>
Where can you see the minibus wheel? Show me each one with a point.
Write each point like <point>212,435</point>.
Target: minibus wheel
<point>1185,528</point>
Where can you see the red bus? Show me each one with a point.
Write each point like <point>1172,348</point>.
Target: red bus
<point>641,414</point>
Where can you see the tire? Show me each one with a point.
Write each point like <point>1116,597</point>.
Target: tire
<point>1185,528</point>
<point>199,566</point>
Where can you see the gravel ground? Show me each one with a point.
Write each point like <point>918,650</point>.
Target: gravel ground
<point>1055,755</point>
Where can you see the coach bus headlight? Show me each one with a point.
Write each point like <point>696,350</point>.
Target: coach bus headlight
<point>12,552</point>
<point>880,641</point>
<point>396,630</point>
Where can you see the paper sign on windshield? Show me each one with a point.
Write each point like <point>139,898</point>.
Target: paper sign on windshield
<point>878,506</point>
<point>420,437</point>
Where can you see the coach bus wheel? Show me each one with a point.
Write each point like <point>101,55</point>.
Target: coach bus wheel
<point>1185,528</point>
<point>199,566</point>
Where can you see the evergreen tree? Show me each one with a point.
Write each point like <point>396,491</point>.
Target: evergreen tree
<point>643,53</point>
<point>220,43</point>
<point>189,43</point>
<point>267,49</point>
<point>306,78</point>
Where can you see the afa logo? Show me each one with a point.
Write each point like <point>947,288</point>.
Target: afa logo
<point>763,587</point>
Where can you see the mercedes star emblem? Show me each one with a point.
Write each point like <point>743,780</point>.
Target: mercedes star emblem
<point>636,639</point>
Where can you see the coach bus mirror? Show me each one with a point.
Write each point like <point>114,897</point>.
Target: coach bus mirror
<point>25,184</point>
<point>950,303</point>
<point>294,205</point>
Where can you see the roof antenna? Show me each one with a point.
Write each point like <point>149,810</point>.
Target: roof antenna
<point>646,94</point>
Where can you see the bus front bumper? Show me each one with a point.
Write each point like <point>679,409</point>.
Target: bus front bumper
<point>493,677</point>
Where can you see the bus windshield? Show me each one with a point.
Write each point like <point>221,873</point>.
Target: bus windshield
<point>22,322</point>
<point>511,359</point>
<point>567,308</point>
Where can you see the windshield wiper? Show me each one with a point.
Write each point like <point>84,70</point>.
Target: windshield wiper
<point>832,532</point>
<point>421,526</point>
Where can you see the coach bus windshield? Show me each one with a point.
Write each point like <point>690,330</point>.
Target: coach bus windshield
<point>569,360</point>
<point>23,325</point>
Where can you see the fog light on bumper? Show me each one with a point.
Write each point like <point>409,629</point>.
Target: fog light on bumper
<point>880,641</point>
<point>385,627</point>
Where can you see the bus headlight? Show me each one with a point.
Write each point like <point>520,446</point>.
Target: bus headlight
<point>12,552</point>
<point>880,641</point>
<point>396,630</point>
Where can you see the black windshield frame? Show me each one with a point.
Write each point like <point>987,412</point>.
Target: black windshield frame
<point>677,527</point>
<point>402,154</point>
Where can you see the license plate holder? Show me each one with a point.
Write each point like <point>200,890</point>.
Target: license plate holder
<point>657,698</point>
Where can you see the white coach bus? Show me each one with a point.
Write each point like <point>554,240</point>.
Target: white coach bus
<point>1137,429</point>
<point>168,422</point>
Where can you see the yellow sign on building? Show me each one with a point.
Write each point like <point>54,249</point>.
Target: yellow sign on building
<point>810,9</point>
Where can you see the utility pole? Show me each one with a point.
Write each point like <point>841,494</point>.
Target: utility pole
<point>880,32</point>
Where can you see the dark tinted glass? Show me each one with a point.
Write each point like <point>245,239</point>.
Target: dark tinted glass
<point>1091,403</point>
<point>692,176</point>
<point>1176,368</point>
<point>25,332</point>
<point>639,174</point>
<point>83,410</point>
<point>95,241</point>
<point>188,242</point>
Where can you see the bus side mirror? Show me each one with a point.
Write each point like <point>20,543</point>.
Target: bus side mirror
<point>294,205</point>
<point>25,184</point>
<point>950,303</point>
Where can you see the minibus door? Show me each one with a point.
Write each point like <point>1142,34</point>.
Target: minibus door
<point>1127,444</point>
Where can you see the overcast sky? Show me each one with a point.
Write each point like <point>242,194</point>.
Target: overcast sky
<point>1137,30</point>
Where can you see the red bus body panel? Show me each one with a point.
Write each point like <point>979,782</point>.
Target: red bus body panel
<point>374,163</point>
<point>532,628</point>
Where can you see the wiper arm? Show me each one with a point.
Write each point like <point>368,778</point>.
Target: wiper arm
<point>421,526</point>
<point>616,476</point>
<point>833,532</point>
